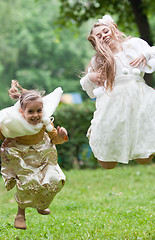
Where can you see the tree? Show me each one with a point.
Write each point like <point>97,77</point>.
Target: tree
<point>130,14</point>
<point>35,51</point>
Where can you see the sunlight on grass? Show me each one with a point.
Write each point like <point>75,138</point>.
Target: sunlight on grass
<point>94,204</point>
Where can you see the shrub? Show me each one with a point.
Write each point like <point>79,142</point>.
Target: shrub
<point>76,119</point>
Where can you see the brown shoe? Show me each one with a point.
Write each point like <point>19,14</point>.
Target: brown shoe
<point>44,212</point>
<point>20,222</point>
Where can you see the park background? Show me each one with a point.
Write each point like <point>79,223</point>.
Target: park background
<point>43,44</point>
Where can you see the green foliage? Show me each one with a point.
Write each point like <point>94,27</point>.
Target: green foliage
<point>94,204</point>
<point>76,119</point>
<point>80,11</point>
<point>36,51</point>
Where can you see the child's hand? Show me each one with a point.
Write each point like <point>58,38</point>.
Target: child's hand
<point>139,60</point>
<point>62,132</point>
<point>14,90</point>
<point>95,77</point>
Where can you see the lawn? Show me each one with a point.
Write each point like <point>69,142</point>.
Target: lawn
<point>94,204</point>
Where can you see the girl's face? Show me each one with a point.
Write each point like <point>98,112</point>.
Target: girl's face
<point>33,112</point>
<point>104,35</point>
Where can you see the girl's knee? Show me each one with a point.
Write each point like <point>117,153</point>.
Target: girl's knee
<point>144,161</point>
<point>107,165</point>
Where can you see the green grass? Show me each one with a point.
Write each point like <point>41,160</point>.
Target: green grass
<point>94,204</point>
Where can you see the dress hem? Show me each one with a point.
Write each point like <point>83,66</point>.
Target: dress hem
<point>142,155</point>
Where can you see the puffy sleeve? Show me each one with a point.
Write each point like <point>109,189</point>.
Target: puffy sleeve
<point>55,138</point>
<point>136,46</point>
<point>85,82</point>
<point>149,53</point>
<point>141,46</point>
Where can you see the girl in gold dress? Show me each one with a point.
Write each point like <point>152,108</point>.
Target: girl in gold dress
<point>28,153</point>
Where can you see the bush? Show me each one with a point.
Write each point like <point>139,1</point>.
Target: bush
<point>76,119</point>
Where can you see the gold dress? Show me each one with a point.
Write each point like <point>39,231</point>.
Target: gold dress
<point>34,170</point>
<point>30,163</point>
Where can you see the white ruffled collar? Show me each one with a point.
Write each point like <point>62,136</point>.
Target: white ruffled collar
<point>13,124</point>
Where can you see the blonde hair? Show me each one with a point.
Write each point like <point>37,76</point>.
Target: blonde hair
<point>104,57</point>
<point>18,93</point>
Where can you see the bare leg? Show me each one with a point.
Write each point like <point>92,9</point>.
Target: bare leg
<point>107,165</point>
<point>20,219</point>
<point>143,161</point>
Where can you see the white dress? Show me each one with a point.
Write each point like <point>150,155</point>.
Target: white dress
<point>123,125</point>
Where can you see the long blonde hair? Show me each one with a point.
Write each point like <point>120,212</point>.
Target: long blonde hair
<point>104,57</point>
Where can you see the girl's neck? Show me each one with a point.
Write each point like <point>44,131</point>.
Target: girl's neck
<point>116,48</point>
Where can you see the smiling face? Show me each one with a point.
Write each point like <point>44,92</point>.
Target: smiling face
<point>104,35</point>
<point>33,111</point>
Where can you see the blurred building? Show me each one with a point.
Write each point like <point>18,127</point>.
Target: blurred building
<point>71,98</point>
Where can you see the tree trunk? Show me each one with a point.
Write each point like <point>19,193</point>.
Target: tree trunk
<point>141,20</point>
<point>149,79</point>
<point>144,29</point>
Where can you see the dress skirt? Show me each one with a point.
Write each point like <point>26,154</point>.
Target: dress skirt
<point>34,170</point>
<point>123,125</point>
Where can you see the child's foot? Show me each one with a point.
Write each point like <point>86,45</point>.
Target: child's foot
<point>44,212</point>
<point>20,222</point>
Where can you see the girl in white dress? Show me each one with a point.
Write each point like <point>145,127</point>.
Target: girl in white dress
<point>28,153</point>
<point>123,125</point>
